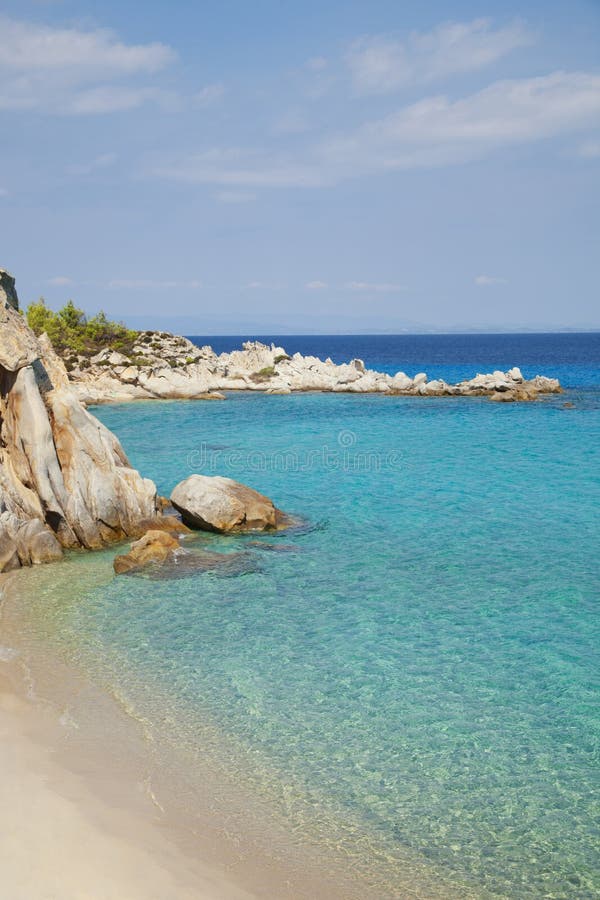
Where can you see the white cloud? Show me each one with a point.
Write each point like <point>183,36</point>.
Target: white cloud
<point>103,161</point>
<point>435,131</point>
<point>382,64</point>
<point>150,284</point>
<point>316,285</point>
<point>27,47</point>
<point>69,71</point>
<point>60,281</point>
<point>115,98</point>
<point>236,167</point>
<point>376,288</point>
<point>209,94</point>
<point>488,280</point>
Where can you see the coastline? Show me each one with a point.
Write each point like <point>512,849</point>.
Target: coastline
<point>95,810</point>
<point>79,821</point>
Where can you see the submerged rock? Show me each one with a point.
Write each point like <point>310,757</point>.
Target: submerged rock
<point>186,563</point>
<point>214,503</point>
<point>154,546</point>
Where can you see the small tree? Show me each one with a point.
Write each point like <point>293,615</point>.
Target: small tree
<point>39,316</point>
<point>72,316</point>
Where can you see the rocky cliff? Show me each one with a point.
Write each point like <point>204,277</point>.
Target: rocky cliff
<point>64,478</point>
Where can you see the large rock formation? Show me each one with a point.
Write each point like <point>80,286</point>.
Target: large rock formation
<point>64,478</point>
<point>213,503</point>
<point>164,366</point>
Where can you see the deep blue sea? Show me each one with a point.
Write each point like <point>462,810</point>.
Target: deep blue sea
<point>411,678</point>
<point>572,358</point>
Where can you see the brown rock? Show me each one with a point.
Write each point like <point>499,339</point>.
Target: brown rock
<point>170,524</point>
<point>155,546</point>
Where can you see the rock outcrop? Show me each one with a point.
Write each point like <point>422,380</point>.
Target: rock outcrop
<point>64,478</point>
<point>213,503</point>
<point>164,366</point>
<point>153,547</point>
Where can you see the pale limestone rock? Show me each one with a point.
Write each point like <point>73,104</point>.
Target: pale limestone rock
<point>64,478</point>
<point>401,382</point>
<point>129,375</point>
<point>118,359</point>
<point>214,503</point>
<point>175,369</point>
<point>25,543</point>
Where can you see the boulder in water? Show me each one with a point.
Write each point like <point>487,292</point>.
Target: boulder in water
<point>214,503</point>
<point>154,546</point>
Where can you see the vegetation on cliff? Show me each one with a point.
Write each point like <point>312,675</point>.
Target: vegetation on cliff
<point>72,333</point>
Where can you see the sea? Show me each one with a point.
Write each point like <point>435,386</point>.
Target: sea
<point>407,679</point>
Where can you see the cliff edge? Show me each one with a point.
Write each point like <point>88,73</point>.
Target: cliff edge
<point>65,480</point>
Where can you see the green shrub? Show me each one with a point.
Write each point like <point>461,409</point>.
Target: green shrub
<point>264,374</point>
<point>71,332</point>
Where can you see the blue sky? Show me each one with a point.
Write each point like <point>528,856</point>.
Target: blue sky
<point>276,167</point>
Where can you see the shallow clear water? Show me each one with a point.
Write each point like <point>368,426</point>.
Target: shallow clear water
<point>421,662</point>
<point>412,676</point>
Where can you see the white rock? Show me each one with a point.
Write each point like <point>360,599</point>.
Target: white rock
<point>221,504</point>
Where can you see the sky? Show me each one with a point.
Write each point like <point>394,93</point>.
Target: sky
<point>277,167</point>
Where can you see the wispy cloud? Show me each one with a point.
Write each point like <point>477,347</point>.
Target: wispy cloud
<point>315,285</point>
<point>103,161</point>
<point>238,167</point>
<point>435,131</point>
<point>374,287</point>
<point>60,281</point>
<point>71,71</point>
<point>488,280</point>
<point>382,63</point>
<point>209,94</point>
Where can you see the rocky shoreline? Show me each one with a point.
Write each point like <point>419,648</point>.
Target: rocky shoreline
<point>169,367</point>
<point>65,481</point>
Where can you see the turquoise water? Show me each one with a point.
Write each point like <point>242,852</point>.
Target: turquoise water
<point>410,678</point>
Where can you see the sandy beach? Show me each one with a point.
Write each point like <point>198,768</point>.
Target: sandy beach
<point>88,815</point>
<point>61,841</point>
